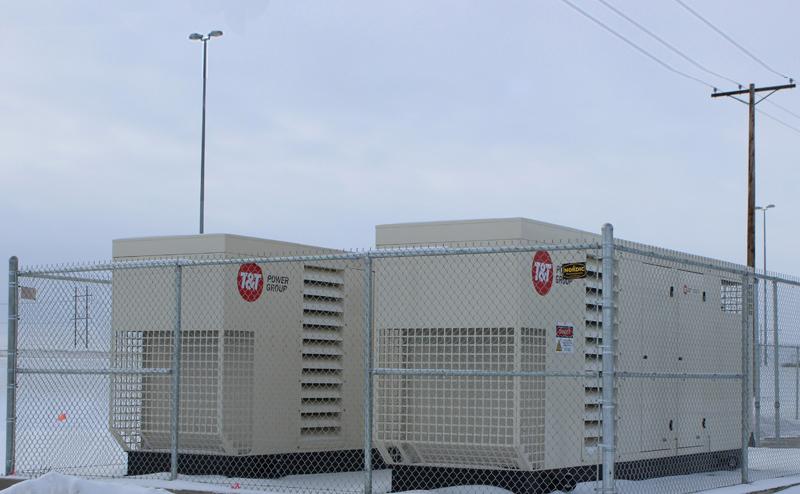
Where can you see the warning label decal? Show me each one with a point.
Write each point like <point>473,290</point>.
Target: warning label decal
<point>565,333</point>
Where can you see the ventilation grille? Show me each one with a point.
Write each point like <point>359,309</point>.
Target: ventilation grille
<point>462,420</point>
<point>237,389</point>
<point>322,354</point>
<point>593,358</point>
<point>141,404</point>
<point>126,389</point>
<point>533,359</point>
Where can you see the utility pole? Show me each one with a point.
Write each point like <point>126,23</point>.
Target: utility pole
<point>751,196</point>
<point>751,157</point>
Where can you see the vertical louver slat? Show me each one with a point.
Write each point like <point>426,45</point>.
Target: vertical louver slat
<point>322,353</point>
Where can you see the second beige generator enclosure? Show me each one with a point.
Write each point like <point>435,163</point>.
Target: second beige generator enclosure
<point>439,318</point>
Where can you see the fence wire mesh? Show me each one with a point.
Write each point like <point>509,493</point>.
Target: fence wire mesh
<point>397,370</point>
<point>488,369</point>
<point>776,433</point>
<point>76,388</point>
<point>679,372</point>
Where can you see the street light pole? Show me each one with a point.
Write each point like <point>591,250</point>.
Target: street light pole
<point>204,39</point>
<point>764,224</point>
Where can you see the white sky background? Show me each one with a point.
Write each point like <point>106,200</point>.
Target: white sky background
<point>328,117</point>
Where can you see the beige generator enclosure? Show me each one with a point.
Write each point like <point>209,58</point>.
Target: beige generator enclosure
<point>492,359</point>
<point>271,353</point>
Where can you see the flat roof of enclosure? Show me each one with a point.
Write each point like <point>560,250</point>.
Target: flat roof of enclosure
<point>481,232</point>
<point>207,244</point>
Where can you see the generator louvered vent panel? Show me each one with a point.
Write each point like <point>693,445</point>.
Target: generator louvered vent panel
<point>593,357</point>
<point>322,354</point>
<point>466,421</point>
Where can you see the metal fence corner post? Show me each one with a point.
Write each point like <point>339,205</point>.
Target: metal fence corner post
<point>368,299</point>
<point>747,331</point>
<point>176,377</point>
<point>609,396</point>
<point>11,355</point>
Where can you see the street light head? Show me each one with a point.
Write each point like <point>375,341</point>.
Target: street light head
<point>770,206</point>
<point>215,34</point>
<point>196,37</point>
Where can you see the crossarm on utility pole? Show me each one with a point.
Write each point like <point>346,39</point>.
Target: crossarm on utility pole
<point>756,89</point>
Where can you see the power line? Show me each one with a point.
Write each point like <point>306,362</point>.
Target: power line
<point>731,40</point>
<point>690,59</point>
<point>778,120</point>
<point>790,112</point>
<point>668,66</point>
<point>667,44</point>
<point>637,47</point>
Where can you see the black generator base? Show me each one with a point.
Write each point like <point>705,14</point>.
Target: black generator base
<point>679,465</point>
<point>253,466</point>
<point>412,477</point>
<point>408,477</point>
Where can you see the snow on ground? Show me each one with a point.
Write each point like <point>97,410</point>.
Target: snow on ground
<point>83,446</point>
<point>776,464</point>
<point>55,483</point>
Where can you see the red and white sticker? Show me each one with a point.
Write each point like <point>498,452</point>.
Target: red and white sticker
<point>542,272</point>
<point>565,333</point>
<point>250,281</point>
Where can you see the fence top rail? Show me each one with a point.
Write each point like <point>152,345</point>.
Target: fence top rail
<point>778,278</point>
<point>497,249</point>
<point>680,257</point>
<point>781,346</point>
<point>344,256</point>
<point>701,262</point>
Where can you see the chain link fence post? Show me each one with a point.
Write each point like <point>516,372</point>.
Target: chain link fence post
<point>609,398</point>
<point>776,359</point>
<point>796,382</point>
<point>368,298</point>
<point>756,365</point>
<point>11,355</point>
<point>176,377</point>
<point>747,330</point>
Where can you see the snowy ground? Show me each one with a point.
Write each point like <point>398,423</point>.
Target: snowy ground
<point>54,483</point>
<point>81,445</point>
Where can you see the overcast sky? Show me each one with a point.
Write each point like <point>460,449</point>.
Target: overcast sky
<point>326,118</point>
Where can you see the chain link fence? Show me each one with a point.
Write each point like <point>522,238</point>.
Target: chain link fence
<point>488,368</point>
<point>593,366</point>
<point>776,371</point>
<point>683,332</point>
